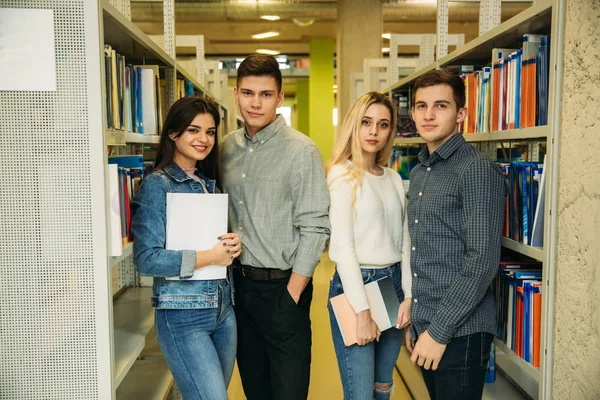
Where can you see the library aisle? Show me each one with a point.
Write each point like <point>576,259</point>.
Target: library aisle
<point>325,380</point>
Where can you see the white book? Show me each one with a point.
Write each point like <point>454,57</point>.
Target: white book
<point>149,112</point>
<point>537,235</point>
<point>114,211</point>
<point>194,222</point>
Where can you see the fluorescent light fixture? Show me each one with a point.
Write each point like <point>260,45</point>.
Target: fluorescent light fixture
<point>265,35</point>
<point>385,49</point>
<point>386,35</point>
<point>267,51</point>
<point>335,86</point>
<point>220,65</point>
<point>270,17</point>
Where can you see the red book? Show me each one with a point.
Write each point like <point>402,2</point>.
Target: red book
<point>519,322</point>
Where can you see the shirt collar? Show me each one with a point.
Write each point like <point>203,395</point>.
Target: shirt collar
<point>445,150</point>
<point>268,131</point>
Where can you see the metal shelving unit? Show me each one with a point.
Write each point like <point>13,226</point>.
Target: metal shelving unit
<point>540,18</point>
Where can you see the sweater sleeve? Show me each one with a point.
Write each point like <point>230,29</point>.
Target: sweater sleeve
<point>341,246</point>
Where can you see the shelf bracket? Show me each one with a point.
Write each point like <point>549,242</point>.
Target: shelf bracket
<point>200,60</point>
<point>442,28</point>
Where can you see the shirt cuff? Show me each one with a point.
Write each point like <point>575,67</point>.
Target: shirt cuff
<point>188,264</point>
<point>304,268</point>
<point>439,334</point>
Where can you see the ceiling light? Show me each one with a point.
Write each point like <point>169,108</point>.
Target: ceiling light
<point>303,22</point>
<point>385,49</point>
<point>265,35</point>
<point>270,17</point>
<point>386,35</point>
<point>267,51</point>
<point>335,86</point>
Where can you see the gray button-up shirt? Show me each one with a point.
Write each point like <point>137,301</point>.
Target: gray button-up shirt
<point>278,197</point>
<point>455,219</point>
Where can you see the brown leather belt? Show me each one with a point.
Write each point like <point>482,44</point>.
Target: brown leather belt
<point>263,274</point>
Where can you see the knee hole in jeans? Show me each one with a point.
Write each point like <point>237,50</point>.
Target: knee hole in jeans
<point>383,387</point>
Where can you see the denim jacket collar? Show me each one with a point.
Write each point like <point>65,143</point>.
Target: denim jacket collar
<point>268,131</point>
<point>178,175</point>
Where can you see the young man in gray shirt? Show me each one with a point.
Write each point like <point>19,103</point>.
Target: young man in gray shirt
<point>278,205</point>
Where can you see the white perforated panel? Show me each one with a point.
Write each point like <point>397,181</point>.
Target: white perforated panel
<point>426,51</point>
<point>200,68</point>
<point>442,28</point>
<point>48,310</point>
<point>169,26</point>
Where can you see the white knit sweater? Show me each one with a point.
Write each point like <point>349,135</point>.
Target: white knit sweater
<point>372,234</point>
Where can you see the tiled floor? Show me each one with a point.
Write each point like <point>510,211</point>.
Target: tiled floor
<point>325,379</point>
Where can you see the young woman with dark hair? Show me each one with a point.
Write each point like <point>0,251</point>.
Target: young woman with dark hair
<point>195,322</point>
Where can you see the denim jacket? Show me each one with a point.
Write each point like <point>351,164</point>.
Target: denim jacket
<point>148,226</point>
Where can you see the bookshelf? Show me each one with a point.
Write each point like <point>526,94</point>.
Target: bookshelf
<point>541,18</point>
<point>134,374</point>
<point>127,251</point>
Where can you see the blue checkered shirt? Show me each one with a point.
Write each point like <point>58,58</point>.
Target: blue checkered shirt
<point>455,220</point>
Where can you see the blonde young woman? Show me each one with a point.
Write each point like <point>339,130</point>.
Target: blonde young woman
<point>369,241</point>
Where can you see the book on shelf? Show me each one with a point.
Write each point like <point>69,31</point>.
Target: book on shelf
<point>518,297</point>
<point>130,171</point>
<point>114,210</point>
<point>511,92</point>
<point>136,96</point>
<point>383,305</point>
<point>523,201</point>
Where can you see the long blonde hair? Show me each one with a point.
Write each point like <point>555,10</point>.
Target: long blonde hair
<point>347,144</point>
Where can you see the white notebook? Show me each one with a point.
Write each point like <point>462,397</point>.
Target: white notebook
<point>194,222</point>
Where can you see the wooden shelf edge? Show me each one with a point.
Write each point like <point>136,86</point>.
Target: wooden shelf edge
<point>148,380</point>
<point>127,251</point>
<point>133,319</point>
<point>536,132</point>
<point>137,34</point>
<point>141,138</point>
<point>523,374</point>
<point>533,252</point>
<point>519,19</point>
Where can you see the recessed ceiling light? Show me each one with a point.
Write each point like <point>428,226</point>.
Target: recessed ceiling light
<point>267,51</point>
<point>386,35</point>
<point>265,35</point>
<point>385,49</point>
<point>270,17</point>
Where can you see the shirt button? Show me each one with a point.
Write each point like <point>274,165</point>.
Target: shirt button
<point>251,150</point>
<point>428,168</point>
<point>416,301</point>
<point>415,274</point>
<point>241,201</point>
<point>414,248</point>
<point>420,193</point>
<point>416,221</point>
<point>243,175</point>
<point>262,141</point>
<point>241,229</point>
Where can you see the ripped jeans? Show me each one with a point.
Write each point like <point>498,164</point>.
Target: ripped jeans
<point>362,368</point>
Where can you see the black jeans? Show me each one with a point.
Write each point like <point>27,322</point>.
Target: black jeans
<point>274,339</point>
<point>461,372</point>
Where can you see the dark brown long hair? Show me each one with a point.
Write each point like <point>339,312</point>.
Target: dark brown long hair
<point>179,118</point>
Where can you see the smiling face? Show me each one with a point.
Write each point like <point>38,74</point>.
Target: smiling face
<point>375,128</point>
<point>436,115</point>
<point>258,98</point>
<point>196,142</point>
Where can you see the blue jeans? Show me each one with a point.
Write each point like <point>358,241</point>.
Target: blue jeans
<point>461,372</point>
<point>363,367</point>
<point>199,346</point>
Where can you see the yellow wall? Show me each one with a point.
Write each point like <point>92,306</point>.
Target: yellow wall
<point>320,93</point>
<point>302,113</point>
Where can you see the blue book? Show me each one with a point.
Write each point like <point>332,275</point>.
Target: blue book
<point>189,89</point>
<point>135,161</point>
<point>518,68</point>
